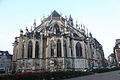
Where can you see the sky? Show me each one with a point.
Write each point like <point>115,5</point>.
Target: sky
<point>101,17</point>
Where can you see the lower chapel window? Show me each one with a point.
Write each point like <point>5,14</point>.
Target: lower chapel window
<point>52,48</point>
<point>37,50</point>
<point>23,51</point>
<point>30,45</point>
<point>78,50</point>
<point>59,49</point>
<point>65,48</point>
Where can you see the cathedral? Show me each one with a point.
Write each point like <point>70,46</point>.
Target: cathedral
<point>56,45</point>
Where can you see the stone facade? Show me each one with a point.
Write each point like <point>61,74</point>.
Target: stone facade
<point>5,62</point>
<point>117,52</point>
<point>56,44</point>
<point>111,59</point>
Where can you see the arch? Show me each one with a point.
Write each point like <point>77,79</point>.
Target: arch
<point>59,48</point>
<point>78,50</point>
<point>56,26</point>
<point>65,49</point>
<point>37,49</point>
<point>30,46</point>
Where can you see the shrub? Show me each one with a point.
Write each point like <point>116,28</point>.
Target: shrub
<point>105,70</point>
<point>44,75</point>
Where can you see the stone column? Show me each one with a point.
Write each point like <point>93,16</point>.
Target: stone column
<point>41,47</point>
<point>25,49</point>
<point>73,44</point>
<point>19,55</point>
<point>68,47</point>
<point>48,48</point>
<point>33,51</point>
<point>47,52</point>
<point>73,49</point>
<point>14,58</point>
<point>62,47</point>
<point>55,50</point>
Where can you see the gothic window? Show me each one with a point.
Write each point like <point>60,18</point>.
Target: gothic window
<point>65,48</point>
<point>52,48</point>
<point>59,49</point>
<point>57,29</point>
<point>71,47</point>
<point>30,45</point>
<point>37,49</point>
<point>23,51</point>
<point>78,50</point>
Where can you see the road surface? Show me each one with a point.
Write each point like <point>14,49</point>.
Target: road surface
<point>113,75</point>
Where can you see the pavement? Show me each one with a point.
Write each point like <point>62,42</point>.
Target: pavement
<point>113,75</point>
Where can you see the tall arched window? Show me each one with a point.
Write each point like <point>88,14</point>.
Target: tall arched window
<point>78,50</point>
<point>37,49</point>
<point>59,49</point>
<point>30,45</point>
<point>65,48</point>
<point>52,48</point>
<point>57,29</point>
<point>23,51</point>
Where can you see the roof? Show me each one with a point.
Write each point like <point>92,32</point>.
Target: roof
<point>5,53</point>
<point>97,44</point>
<point>55,14</point>
<point>116,46</point>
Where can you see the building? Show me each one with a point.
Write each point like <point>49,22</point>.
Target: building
<point>111,59</point>
<point>98,54</point>
<point>5,62</point>
<point>117,52</point>
<point>56,44</point>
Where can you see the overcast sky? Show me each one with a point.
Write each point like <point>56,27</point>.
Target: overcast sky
<point>101,17</point>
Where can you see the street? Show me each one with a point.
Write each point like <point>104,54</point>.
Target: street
<point>114,75</point>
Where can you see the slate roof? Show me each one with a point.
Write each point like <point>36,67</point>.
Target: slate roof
<point>5,53</point>
<point>55,14</point>
<point>116,46</point>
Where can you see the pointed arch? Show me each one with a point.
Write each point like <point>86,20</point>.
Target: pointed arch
<point>37,49</point>
<point>56,26</point>
<point>59,48</point>
<point>65,48</point>
<point>30,46</point>
<point>78,50</point>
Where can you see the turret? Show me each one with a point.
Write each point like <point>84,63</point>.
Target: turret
<point>70,21</point>
<point>21,32</point>
<point>34,24</point>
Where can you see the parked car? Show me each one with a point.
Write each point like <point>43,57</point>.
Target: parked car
<point>108,67</point>
<point>113,66</point>
<point>86,70</point>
